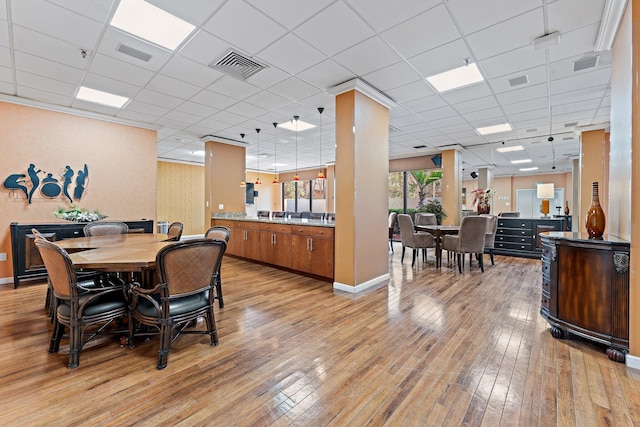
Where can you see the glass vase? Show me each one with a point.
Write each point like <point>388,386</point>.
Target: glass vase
<point>595,220</point>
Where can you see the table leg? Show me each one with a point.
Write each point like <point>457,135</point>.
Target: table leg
<point>438,253</point>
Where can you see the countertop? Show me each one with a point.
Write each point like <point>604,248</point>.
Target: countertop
<point>292,221</point>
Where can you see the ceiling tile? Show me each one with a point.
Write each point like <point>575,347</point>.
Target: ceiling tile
<point>6,75</point>
<point>534,76</point>
<point>512,62</point>
<point>4,32</point>
<point>568,15</point>
<point>412,91</point>
<point>235,18</point>
<point>334,29</point>
<point>467,93</point>
<point>181,117</point>
<point>213,99</point>
<point>44,96</point>
<point>473,16</point>
<point>398,74</point>
<point>443,58</point>
<point>106,84</point>
<point>288,12</point>
<point>45,84</point>
<point>519,95</point>
<point>154,111</point>
<point>196,109</point>
<point>294,89</point>
<point>135,116</point>
<point>196,13</point>
<point>577,42</point>
<point>157,98</point>
<point>113,38</point>
<point>423,32</point>
<point>475,105</point>
<point>291,54</point>
<point>245,109</point>
<point>5,56</point>
<point>326,74</point>
<point>119,70</point>
<point>204,48</point>
<point>98,10</point>
<point>38,44</point>
<point>383,14</point>
<point>370,55</point>
<point>522,30</point>
<point>46,68</point>
<point>426,103</point>
<point>233,87</point>
<point>172,87</point>
<point>187,70</point>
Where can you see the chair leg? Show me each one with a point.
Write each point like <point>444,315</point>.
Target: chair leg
<point>165,346</point>
<point>219,291</point>
<point>211,328</point>
<point>402,257</point>
<point>413,258</point>
<point>131,329</point>
<point>56,335</point>
<point>491,256</point>
<point>75,346</point>
<point>459,262</point>
<point>481,261</point>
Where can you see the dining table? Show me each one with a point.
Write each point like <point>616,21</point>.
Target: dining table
<point>438,231</point>
<point>120,253</point>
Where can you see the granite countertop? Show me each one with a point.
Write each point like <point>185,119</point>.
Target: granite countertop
<point>292,221</point>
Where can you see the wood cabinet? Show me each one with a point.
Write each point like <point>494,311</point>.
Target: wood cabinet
<point>300,247</point>
<point>275,244</point>
<point>520,236</point>
<point>313,249</point>
<point>27,263</point>
<point>585,289</point>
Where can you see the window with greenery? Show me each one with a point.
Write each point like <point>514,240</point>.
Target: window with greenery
<point>423,192</point>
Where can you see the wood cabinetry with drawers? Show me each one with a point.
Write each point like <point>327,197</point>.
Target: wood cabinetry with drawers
<point>585,289</point>
<point>520,236</point>
<point>301,247</point>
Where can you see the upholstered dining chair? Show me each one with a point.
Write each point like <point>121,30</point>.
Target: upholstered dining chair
<point>490,236</point>
<point>413,239</point>
<point>393,220</point>
<point>105,228</point>
<point>318,216</point>
<point>469,240</point>
<point>223,233</point>
<point>86,312</point>
<point>187,272</point>
<point>279,214</point>
<point>175,231</point>
<point>423,218</point>
<point>263,214</point>
<point>295,214</point>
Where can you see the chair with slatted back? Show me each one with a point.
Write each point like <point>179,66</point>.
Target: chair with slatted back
<point>187,272</point>
<point>86,312</point>
<point>223,233</point>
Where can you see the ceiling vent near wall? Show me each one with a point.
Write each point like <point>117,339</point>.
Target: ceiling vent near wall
<point>571,124</point>
<point>517,81</point>
<point>237,65</point>
<point>130,51</point>
<point>583,64</point>
<point>417,147</point>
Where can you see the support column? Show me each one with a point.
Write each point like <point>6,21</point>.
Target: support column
<point>452,186</point>
<point>594,166</point>
<point>485,180</point>
<point>362,169</point>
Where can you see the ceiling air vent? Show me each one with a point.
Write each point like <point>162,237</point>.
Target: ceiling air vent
<point>583,64</point>
<point>417,147</point>
<point>571,124</point>
<point>237,65</point>
<point>532,130</point>
<point>138,54</point>
<point>517,81</point>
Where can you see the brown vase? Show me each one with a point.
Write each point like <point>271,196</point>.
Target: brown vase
<point>595,221</point>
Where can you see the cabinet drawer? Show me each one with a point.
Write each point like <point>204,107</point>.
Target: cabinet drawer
<point>225,223</point>
<point>249,225</point>
<point>514,239</point>
<point>513,246</point>
<point>313,231</point>
<point>71,232</point>
<point>514,223</point>
<point>513,232</point>
<point>276,228</point>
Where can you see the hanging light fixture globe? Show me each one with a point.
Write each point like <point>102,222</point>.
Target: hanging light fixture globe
<point>296,177</point>
<point>320,173</point>
<point>275,154</point>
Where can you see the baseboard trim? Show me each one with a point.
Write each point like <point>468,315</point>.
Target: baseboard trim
<point>632,361</point>
<point>361,287</point>
<point>6,280</point>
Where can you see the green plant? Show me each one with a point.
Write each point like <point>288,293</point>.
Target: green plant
<point>435,207</point>
<point>423,178</point>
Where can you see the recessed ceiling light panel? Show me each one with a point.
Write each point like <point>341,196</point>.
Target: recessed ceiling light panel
<point>291,125</point>
<point>151,23</point>
<point>456,78</point>
<point>487,130</point>
<point>515,162</point>
<point>509,148</point>
<point>99,97</point>
<point>534,168</point>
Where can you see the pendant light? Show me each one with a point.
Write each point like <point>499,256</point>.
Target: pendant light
<point>242,183</point>
<point>275,154</point>
<point>258,155</point>
<point>296,177</point>
<point>320,173</point>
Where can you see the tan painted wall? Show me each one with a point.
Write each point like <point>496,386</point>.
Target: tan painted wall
<point>180,196</point>
<point>121,160</point>
<point>452,186</point>
<point>362,167</point>
<point>594,167</point>
<point>224,169</point>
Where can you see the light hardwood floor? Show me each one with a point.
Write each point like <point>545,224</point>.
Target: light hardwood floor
<point>430,348</point>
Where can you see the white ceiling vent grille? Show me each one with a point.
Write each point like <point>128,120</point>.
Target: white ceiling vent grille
<point>138,54</point>
<point>237,65</point>
<point>583,64</point>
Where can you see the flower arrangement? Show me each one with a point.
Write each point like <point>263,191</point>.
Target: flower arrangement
<point>77,214</point>
<point>481,198</point>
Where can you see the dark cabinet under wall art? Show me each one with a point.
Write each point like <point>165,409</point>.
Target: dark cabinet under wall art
<point>27,263</point>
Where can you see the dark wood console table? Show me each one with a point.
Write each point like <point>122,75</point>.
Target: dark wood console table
<point>585,289</point>
<point>27,263</point>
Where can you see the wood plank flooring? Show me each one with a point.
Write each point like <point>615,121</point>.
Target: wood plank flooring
<point>431,347</point>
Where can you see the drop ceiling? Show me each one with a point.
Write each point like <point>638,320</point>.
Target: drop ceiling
<point>306,49</point>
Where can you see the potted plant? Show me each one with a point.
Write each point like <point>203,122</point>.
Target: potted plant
<point>435,207</point>
<point>481,198</point>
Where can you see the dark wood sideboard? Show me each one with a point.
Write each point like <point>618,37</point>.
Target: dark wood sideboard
<point>521,236</point>
<point>585,289</point>
<point>27,263</point>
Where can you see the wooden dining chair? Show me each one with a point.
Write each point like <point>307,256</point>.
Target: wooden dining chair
<point>187,272</point>
<point>175,231</point>
<point>223,233</point>
<point>86,312</point>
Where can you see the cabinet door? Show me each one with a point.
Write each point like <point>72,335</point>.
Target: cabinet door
<point>321,256</point>
<point>301,255</point>
<point>275,248</point>
<point>251,244</point>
